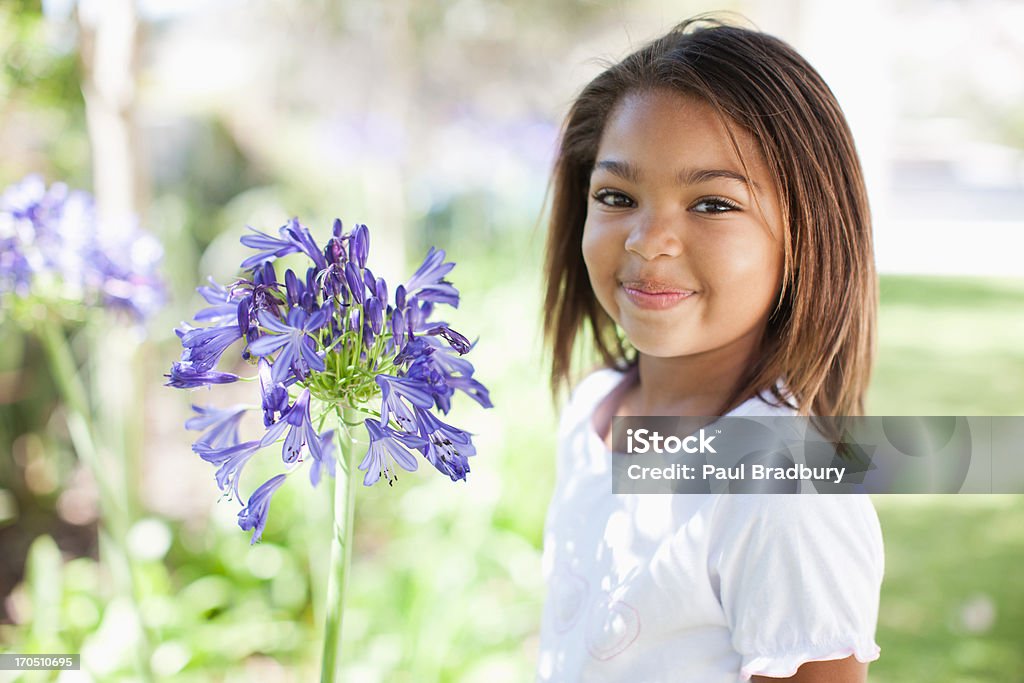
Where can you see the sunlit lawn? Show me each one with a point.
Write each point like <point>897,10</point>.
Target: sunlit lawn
<point>953,598</point>
<point>949,347</point>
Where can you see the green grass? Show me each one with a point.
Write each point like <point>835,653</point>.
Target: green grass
<point>952,608</point>
<point>949,347</point>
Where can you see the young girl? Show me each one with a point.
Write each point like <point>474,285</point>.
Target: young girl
<point>710,229</point>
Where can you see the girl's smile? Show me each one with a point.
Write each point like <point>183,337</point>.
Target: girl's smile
<point>653,295</point>
<point>682,240</point>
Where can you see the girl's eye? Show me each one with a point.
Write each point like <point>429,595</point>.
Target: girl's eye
<point>614,199</point>
<point>714,205</point>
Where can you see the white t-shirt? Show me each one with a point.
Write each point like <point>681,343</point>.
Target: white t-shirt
<point>708,588</point>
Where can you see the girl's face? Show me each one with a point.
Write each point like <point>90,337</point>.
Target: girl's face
<point>679,252</point>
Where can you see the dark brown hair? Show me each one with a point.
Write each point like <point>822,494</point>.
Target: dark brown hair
<point>820,338</point>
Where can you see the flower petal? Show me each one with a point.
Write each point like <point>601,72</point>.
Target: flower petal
<point>267,344</point>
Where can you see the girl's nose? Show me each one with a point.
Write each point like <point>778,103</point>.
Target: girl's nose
<point>654,235</point>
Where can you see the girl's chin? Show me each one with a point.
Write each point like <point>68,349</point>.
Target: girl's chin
<point>668,354</point>
<point>658,348</point>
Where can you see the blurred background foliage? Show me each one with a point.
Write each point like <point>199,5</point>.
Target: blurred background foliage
<point>434,123</point>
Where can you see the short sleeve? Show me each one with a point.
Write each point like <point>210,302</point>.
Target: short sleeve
<point>586,394</point>
<point>798,577</point>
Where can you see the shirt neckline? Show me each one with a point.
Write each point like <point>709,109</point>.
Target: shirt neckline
<point>628,375</point>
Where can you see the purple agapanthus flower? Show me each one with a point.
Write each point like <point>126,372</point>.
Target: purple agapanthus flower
<point>428,284</point>
<point>254,514</point>
<point>222,303</point>
<point>448,448</point>
<point>355,283</point>
<point>304,239</point>
<point>301,432</point>
<point>394,389</point>
<point>329,334</point>
<point>431,272</point>
<point>458,372</point>
<point>457,341</point>
<point>221,424</point>
<point>431,379</point>
<point>386,445</point>
<point>274,395</point>
<point>323,457</point>
<point>184,375</point>
<point>472,388</point>
<point>230,461</point>
<point>359,245</point>
<point>293,339</point>
<point>205,345</point>
<point>269,247</point>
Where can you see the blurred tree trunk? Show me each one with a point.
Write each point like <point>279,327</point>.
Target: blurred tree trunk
<point>109,34</point>
<point>109,31</point>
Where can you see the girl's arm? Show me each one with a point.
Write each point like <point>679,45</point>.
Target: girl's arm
<point>847,670</point>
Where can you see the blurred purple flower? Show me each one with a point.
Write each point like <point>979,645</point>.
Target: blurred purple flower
<point>54,232</point>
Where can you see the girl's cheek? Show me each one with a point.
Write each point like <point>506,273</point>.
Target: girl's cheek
<point>605,237</point>
<point>596,245</point>
<point>735,256</point>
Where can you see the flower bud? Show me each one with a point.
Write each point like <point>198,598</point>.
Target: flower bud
<point>375,314</point>
<point>359,245</point>
<point>355,283</point>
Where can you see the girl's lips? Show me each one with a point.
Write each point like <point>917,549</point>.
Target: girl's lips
<point>655,300</point>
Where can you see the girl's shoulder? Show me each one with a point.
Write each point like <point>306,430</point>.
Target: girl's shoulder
<point>596,385</point>
<point>587,394</point>
<point>768,404</point>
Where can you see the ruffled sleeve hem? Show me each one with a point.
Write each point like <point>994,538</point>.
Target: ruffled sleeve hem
<point>786,665</point>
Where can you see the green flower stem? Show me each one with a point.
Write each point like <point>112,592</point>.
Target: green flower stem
<point>341,543</point>
<point>114,512</point>
<point>114,373</point>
